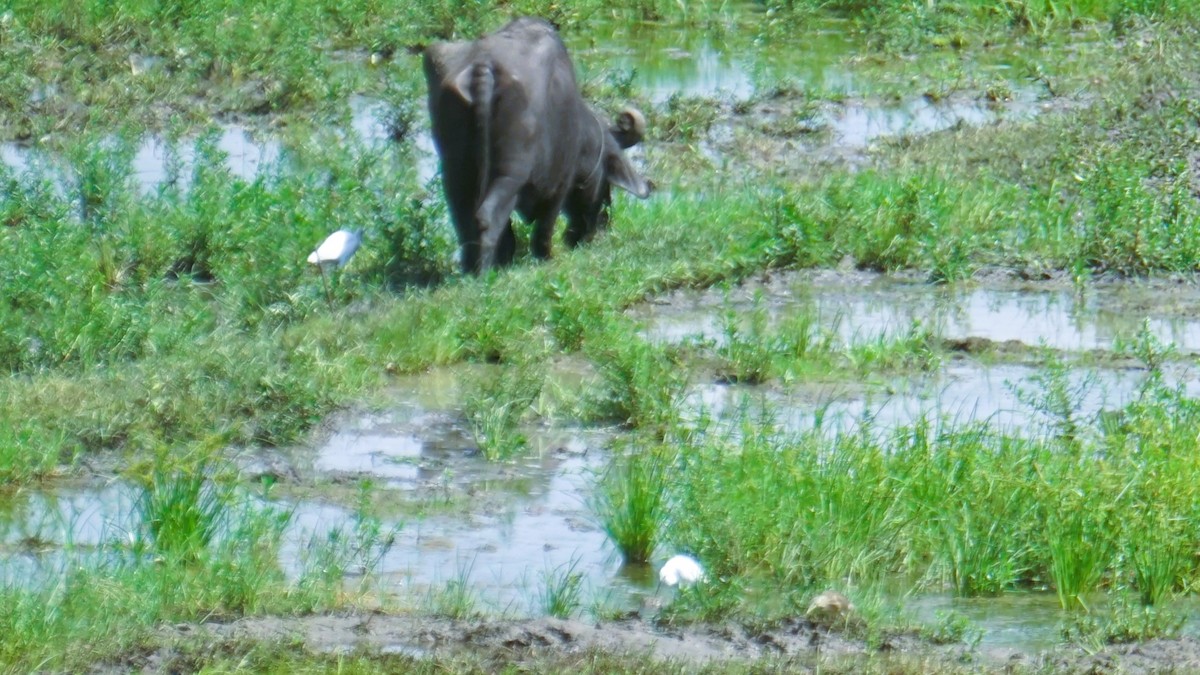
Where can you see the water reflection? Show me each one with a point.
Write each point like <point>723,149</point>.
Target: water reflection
<point>958,394</point>
<point>735,63</point>
<point>1099,317</point>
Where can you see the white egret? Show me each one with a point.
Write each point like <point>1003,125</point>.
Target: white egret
<point>335,251</point>
<point>681,569</point>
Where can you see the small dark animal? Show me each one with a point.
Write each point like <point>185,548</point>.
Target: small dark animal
<point>514,133</point>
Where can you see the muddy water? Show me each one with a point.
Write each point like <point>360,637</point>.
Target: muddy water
<point>866,308</point>
<point>669,61</point>
<point>957,394</point>
<point>858,125</point>
<point>523,519</point>
<point>502,527</point>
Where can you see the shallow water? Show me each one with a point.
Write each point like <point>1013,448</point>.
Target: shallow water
<point>530,516</point>
<point>957,394</point>
<point>667,61</point>
<point>1026,622</point>
<point>856,125</point>
<point>1099,317</point>
<point>245,156</point>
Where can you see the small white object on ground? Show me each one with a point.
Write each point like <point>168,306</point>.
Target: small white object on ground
<point>680,569</point>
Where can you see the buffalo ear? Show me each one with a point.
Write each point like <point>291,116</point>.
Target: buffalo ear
<point>622,174</point>
<point>462,85</point>
<point>442,60</point>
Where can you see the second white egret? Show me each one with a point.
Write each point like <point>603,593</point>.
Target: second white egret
<point>681,569</point>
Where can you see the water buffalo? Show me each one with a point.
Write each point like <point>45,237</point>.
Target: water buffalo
<point>513,132</point>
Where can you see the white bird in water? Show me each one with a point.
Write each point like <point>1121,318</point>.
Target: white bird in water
<point>681,569</point>
<point>335,251</point>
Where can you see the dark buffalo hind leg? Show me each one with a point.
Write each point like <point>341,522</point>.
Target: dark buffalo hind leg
<point>460,199</point>
<point>507,248</point>
<point>544,221</point>
<point>494,220</point>
<point>583,220</point>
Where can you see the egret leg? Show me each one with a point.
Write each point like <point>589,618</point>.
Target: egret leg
<point>328,297</point>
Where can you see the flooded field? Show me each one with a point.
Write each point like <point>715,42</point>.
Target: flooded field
<point>500,528</point>
<point>204,433</point>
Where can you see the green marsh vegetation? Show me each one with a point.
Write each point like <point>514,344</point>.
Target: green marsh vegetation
<point>184,317</point>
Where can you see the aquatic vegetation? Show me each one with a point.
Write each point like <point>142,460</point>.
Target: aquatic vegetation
<point>455,598</point>
<point>205,561</point>
<point>347,552</point>
<point>497,404</point>
<point>747,350</point>
<point>631,501</point>
<point>642,385</point>
<point>561,590</point>
<point>182,511</point>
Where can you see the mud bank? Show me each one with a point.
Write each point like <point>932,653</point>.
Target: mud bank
<point>635,644</point>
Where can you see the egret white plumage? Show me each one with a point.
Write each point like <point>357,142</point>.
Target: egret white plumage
<point>335,251</point>
<point>681,569</point>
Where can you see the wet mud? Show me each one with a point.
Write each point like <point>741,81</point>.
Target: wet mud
<point>547,643</point>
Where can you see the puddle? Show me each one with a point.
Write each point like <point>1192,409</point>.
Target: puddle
<point>528,518</point>
<point>158,161</point>
<point>959,393</point>
<point>1099,317</point>
<point>36,525</point>
<point>502,551</point>
<point>245,157</point>
<point>84,517</point>
<point>695,63</point>
<point>1023,622</point>
<point>858,125</point>
<point>1028,622</point>
<point>13,156</point>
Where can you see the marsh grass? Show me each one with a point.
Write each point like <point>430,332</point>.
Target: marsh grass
<point>497,403</point>
<point>912,350</point>
<point>952,628</point>
<point>642,384</point>
<point>1125,621</point>
<point>631,500</point>
<point>561,590</point>
<point>455,598</point>
<point>182,511</point>
<point>747,349</point>
<point>939,502</point>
